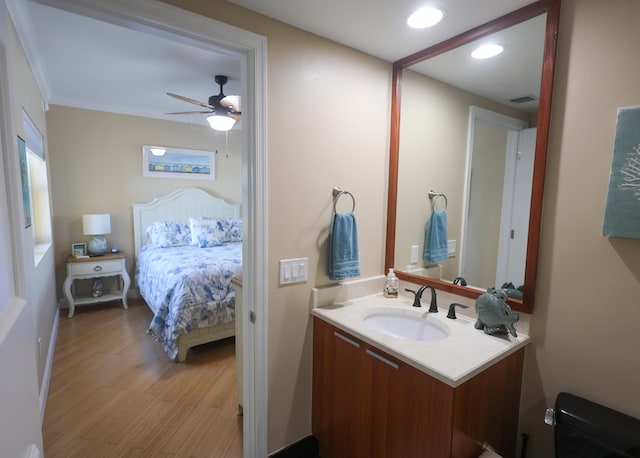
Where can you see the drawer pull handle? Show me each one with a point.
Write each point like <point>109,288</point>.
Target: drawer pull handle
<point>97,268</point>
<point>383,359</point>
<point>346,339</point>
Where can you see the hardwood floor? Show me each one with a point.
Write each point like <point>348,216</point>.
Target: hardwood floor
<point>115,393</point>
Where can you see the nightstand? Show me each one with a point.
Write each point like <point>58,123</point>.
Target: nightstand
<point>108,265</point>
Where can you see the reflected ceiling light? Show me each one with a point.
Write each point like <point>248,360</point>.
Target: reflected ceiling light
<point>223,123</point>
<point>486,51</point>
<point>157,151</point>
<point>425,17</point>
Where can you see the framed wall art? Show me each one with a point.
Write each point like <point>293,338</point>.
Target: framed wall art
<point>622,212</point>
<point>177,163</point>
<point>24,175</point>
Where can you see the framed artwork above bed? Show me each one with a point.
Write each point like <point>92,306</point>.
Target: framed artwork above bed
<point>181,163</point>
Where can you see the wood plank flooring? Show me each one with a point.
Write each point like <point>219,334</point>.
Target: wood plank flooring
<point>115,393</point>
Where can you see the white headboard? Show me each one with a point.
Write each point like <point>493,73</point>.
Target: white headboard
<point>180,205</point>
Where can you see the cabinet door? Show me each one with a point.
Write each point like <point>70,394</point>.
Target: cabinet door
<point>341,393</point>
<point>487,409</point>
<point>411,412</point>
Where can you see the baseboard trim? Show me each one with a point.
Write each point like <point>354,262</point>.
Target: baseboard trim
<point>46,377</point>
<point>307,447</point>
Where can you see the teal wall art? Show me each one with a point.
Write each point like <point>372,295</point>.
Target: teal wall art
<point>24,175</point>
<point>622,213</point>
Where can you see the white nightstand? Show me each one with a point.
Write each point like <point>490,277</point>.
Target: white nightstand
<point>108,265</point>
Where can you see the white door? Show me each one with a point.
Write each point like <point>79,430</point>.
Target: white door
<point>514,231</point>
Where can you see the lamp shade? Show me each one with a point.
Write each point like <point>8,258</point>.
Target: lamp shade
<point>96,224</point>
<point>223,123</point>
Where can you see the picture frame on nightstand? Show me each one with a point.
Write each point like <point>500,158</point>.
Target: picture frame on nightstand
<point>79,249</point>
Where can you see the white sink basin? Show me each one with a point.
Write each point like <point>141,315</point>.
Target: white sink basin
<point>405,326</point>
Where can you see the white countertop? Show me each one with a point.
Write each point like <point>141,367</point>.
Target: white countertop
<point>463,354</point>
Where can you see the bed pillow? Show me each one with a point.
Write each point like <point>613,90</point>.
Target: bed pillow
<point>206,232</point>
<point>164,234</point>
<point>233,231</point>
<point>231,228</point>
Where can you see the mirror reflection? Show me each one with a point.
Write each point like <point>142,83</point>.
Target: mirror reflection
<point>467,131</point>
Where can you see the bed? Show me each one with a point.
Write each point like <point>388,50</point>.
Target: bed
<point>188,248</point>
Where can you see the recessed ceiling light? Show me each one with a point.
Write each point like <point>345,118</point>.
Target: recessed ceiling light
<point>425,17</point>
<point>486,51</point>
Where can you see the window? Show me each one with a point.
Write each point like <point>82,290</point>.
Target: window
<point>38,187</point>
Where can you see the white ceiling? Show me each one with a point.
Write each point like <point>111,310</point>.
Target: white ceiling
<point>86,63</point>
<point>378,27</point>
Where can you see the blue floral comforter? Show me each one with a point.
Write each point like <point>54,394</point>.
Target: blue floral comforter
<point>187,287</point>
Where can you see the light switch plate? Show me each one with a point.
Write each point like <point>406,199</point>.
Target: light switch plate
<point>451,248</point>
<point>414,254</point>
<point>294,270</point>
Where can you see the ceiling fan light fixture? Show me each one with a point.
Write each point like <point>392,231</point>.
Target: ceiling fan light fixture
<point>222,123</point>
<point>425,17</point>
<point>157,151</point>
<point>487,51</point>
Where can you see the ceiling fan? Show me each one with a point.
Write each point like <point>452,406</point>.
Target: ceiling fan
<point>224,110</point>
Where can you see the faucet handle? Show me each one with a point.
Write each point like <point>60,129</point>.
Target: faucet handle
<point>452,310</point>
<point>416,297</point>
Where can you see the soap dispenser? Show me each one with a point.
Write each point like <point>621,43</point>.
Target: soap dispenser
<point>391,284</point>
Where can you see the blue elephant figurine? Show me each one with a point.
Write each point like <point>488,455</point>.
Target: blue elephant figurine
<point>494,314</point>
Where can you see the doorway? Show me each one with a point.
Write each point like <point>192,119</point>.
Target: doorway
<point>172,23</point>
<point>489,198</point>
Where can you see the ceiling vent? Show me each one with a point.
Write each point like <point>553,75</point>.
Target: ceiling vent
<point>523,99</point>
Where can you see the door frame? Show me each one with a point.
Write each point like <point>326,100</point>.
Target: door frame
<point>170,22</point>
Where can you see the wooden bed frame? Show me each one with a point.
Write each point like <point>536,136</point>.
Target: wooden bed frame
<point>180,205</point>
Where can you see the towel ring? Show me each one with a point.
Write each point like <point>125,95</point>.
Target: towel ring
<point>433,196</point>
<point>337,192</point>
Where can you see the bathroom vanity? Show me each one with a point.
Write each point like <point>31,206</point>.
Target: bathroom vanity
<point>375,395</point>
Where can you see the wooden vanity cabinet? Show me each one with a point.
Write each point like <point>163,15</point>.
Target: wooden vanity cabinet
<point>368,404</point>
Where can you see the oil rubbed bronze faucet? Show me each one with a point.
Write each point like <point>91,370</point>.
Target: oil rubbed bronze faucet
<point>418,295</point>
<point>452,310</point>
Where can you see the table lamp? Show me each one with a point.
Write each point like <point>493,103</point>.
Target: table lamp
<point>98,226</point>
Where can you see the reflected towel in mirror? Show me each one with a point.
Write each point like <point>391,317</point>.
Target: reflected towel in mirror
<point>435,243</point>
<point>344,257</point>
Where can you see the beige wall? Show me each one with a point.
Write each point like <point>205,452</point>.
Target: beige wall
<point>433,151</point>
<point>585,324</point>
<point>96,167</point>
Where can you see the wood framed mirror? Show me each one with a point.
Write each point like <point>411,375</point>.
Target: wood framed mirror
<point>435,135</point>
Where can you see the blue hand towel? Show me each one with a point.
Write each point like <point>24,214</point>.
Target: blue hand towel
<point>344,258</point>
<point>435,243</point>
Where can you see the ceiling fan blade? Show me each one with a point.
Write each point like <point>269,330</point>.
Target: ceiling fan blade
<point>189,112</point>
<point>232,101</point>
<point>187,99</point>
